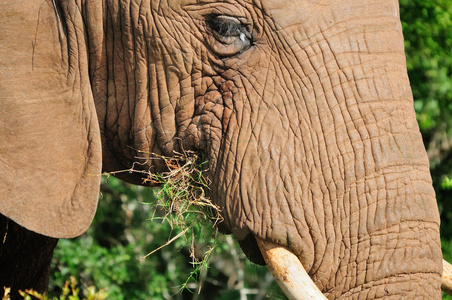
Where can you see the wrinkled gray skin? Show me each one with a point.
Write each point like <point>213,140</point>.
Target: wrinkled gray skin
<point>303,109</point>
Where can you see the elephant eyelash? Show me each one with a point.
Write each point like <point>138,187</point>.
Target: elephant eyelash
<point>226,26</point>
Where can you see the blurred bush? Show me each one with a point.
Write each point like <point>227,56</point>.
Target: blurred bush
<point>427,29</point>
<point>110,255</point>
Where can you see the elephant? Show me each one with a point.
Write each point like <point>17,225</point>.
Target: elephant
<point>302,108</point>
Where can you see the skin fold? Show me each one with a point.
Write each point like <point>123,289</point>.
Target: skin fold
<point>302,108</point>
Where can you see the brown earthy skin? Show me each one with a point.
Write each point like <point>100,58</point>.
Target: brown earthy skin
<point>303,109</point>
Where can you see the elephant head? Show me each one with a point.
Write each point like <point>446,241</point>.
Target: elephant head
<point>303,109</point>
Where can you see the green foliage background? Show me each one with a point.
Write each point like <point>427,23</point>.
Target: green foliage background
<point>428,42</point>
<point>110,253</point>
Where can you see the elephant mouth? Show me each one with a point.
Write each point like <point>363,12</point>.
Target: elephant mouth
<point>288,271</point>
<point>284,265</point>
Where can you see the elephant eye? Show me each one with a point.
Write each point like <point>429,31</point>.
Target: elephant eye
<point>231,36</point>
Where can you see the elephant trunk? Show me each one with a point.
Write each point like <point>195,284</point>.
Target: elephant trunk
<point>331,150</point>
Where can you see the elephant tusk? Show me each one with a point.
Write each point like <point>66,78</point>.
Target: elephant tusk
<point>446,279</point>
<point>291,276</point>
<point>288,272</point>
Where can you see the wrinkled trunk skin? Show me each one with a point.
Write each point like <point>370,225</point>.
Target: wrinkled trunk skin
<point>311,134</point>
<point>350,168</point>
<point>335,146</point>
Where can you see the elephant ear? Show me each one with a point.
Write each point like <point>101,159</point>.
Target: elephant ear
<point>50,153</point>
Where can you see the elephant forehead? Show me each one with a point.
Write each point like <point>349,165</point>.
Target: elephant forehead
<point>286,13</point>
<point>289,13</point>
